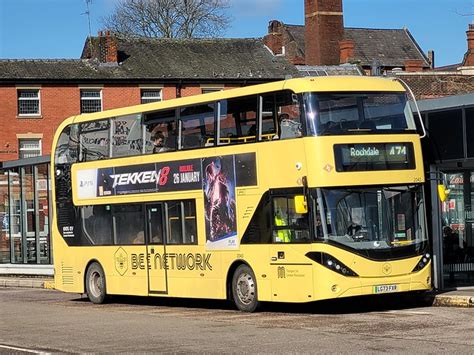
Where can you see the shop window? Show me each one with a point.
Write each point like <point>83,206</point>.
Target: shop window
<point>470,132</point>
<point>29,102</point>
<point>445,130</point>
<point>127,136</point>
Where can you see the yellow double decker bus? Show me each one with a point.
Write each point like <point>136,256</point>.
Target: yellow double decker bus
<point>292,191</point>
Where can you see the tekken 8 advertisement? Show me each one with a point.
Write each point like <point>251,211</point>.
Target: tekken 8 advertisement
<point>217,176</point>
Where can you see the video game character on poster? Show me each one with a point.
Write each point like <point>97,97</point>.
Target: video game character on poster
<point>219,202</point>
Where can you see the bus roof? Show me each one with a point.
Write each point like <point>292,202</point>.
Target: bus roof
<point>298,85</point>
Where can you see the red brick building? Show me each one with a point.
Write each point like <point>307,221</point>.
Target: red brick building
<point>323,40</point>
<point>454,79</point>
<point>36,95</point>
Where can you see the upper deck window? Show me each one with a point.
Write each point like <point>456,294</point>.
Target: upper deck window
<point>357,113</point>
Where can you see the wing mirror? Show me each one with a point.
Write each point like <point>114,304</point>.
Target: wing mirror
<point>301,205</point>
<point>443,192</point>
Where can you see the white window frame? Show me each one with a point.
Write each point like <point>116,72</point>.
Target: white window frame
<point>26,150</point>
<point>38,98</point>
<point>157,99</point>
<point>84,99</point>
<point>206,88</point>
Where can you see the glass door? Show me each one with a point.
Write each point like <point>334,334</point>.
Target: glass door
<point>457,225</point>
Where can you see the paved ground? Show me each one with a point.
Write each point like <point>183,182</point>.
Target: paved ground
<point>51,321</point>
<point>453,298</point>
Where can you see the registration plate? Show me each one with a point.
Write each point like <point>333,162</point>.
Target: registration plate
<point>385,288</point>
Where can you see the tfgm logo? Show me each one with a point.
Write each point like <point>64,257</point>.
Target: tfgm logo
<point>281,272</point>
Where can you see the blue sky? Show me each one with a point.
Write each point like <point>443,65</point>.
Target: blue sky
<point>58,28</point>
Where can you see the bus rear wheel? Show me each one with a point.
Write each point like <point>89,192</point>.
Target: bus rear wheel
<point>244,289</point>
<point>95,284</point>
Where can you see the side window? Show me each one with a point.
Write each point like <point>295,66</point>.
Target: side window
<point>67,146</point>
<point>94,140</point>
<point>128,222</point>
<point>238,120</point>
<point>288,225</point>
<point>127,136</point>
<point>155,224</point>
<point>197,126</point>
<point>190,228</point>
<point>175,230</point>
<point>181,222</point>
<point>259,230</point>
<point>289,115</point>
<point>96,225</point>
<point>161,133</point>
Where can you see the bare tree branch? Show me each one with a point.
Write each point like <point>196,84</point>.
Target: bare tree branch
<point>169,18</point>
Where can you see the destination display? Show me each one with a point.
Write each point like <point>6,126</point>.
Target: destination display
<point>374,156</point>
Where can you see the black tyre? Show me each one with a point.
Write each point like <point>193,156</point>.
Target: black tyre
<point>244,289</point>
<point>95,284</point>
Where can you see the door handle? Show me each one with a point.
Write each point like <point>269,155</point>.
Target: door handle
<point>152,251</point>
<point>274,258</point>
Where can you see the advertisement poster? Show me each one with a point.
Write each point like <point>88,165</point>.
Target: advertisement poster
<point>218,177</point>
<point>219,202</point>
<point>137,179</point>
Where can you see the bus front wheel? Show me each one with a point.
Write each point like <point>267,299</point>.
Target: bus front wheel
<point>95,283</point>
<point>244,289</point>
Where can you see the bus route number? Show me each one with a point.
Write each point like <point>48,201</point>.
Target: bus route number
<point>398,150</point>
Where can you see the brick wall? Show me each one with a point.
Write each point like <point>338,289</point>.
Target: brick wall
<point>58,103</point>
<point>324,29</point>
<point>430,86</point>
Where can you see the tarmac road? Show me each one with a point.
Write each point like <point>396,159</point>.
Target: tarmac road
<point>38,320</point>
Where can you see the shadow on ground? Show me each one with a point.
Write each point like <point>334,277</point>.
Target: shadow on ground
<point>360,304</point>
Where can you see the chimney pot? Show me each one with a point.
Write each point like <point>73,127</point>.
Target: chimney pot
<point>346,47</point>
<point>107,48</point>
<point>469,56</point>
<point>274,38</point>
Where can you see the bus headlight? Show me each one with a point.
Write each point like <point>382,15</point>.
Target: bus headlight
<point>425,259</point>
<point>331,263</point>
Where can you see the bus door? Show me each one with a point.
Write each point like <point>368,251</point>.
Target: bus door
<point>156,249</point>
<point>291,270</point>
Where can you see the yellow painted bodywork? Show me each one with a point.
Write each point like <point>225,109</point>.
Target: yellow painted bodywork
<point>280,163</point>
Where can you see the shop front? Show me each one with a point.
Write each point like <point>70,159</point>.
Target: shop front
<point>457,224</point>
<point>449,159</point>
<point>25,191</point>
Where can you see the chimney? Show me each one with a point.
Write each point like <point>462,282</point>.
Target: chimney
<point>469,56</point>
<point>431,58</point>
<point>413,65</point>
<point>324,29</point>
<point>107,48</point>
<point>274,38</point>
<point>346,50</point>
